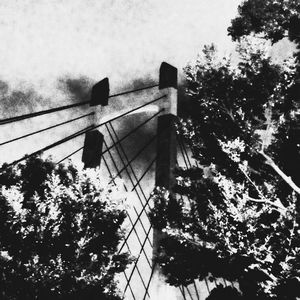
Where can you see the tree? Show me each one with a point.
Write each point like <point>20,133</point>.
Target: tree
<point>272,20</point>
<point>59,233</point>
<point>239,214</point>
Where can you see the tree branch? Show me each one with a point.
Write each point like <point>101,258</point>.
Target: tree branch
<point>287,179</point>
<point>279,206</point>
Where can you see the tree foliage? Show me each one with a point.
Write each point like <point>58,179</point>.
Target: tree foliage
<point>270,19</point>
<point>273,19</point>
<point>238,214</point>
<point>59,233</point>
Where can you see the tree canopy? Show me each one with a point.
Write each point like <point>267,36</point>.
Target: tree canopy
<point>238,217</point>
<point>270,19</point>
<point>59,233</point>
<point>273,19</point>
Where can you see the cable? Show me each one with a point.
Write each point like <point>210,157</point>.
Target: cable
<point>126,241</point>
<point>123,138</point>
<point>130,219</point>
<point>74,152</point>
<point>133,226</point>
<point>130,111</point>
<point>196,290</point>
<point>132,131</point>
<point>186,154</point>
<point>189,292</point>
<point>89,128</point>
<point>147,169</point>
<point>148,284</point>
<point>135,156</point>
<point>132,91</point>
<point>127,161</point>
<point>74,135</point>
<point>47,128</point>
<point>51,110</point>
<point>40,113</point>
<point>136,261</point>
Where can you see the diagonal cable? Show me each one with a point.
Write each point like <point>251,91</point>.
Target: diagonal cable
<point>44,129</point>
<point>129,217</point>
<point>123,138</point>
<point>140,275</point>
<point>129,164</point>
<point>125,168</point>
<point>68,138</point>
<point>40,113</point>
<point>137,259</point>
<point>144,206</point>
<point>69,155</point>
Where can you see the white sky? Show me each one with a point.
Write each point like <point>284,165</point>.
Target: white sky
<point>122,39</point>
<point>43,40</point>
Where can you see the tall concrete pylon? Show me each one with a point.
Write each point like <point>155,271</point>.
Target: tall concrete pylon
<point>165,165</point>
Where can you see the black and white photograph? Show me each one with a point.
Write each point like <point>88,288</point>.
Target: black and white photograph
<point>149,150</point>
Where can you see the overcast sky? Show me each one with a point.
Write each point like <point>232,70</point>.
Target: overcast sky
<point>42,40</point>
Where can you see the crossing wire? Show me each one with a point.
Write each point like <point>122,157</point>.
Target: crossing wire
<point>136,261</point>
<point>126,243</point>
<point>140,275</point>
<point>125,168</point>
<point>138,216</point>
<point>132,131</point>
<point>122,139</point>
<point>52,110</point>
<point>130,219</point>
<point>47,128</point>
<point>128,162</point>
<point>134,224</point>
<point>83,131</point>
<point>144,206</point>
<point>148,284</point>
<point>136,155</point>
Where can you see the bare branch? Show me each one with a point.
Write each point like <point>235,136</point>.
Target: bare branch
<point>277,205</point>
<point>286,178</point>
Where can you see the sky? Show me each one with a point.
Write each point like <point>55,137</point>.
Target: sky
<point>51,52</point>
<point>120,39</point>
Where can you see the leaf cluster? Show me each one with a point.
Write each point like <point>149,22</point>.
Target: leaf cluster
<point>59,233</point>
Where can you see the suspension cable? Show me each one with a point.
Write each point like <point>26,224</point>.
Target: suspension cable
<point>40,113</point>
<point>120,140</point>
<point>130,219</point>
<point>69,155</point>
<point>132,91</point>
<point>44,129</point>
<point>132,131</point>
<point>136,155</point>
<point>127,161</point>
<point>87,129</point>
<point>130,111</point>
<point>136,261</point>
<point>126,277</point>
<point>68,138</point>
<point>52,110</point>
